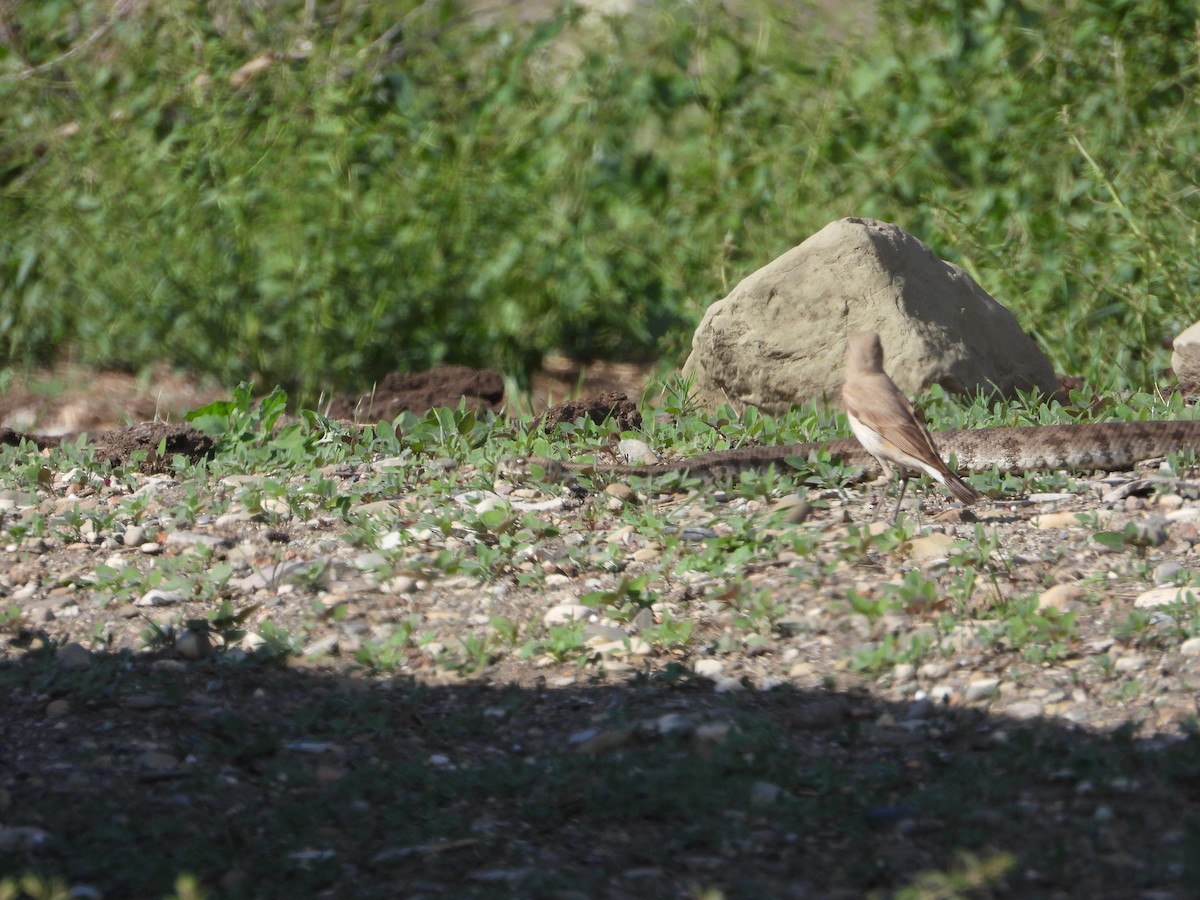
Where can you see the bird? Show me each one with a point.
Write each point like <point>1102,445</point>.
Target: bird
<point>887,426</point>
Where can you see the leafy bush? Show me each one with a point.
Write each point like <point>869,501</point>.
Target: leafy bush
<point>399,185</point>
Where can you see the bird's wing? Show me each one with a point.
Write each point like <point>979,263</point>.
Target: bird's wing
<point>876,402</point>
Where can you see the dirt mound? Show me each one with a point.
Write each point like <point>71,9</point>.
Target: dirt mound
<point>420,392</point>
<point>616,404</point>
<point>119,445</point>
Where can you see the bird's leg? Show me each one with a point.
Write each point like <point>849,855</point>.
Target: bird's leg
<point>887,474</point>
<point>903,487</point>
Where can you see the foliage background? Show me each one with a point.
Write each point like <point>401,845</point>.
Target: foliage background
<point>400,185</point>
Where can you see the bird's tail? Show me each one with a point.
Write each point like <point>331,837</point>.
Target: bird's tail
<point>960,489</point>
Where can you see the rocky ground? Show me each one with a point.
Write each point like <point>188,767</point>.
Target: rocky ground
<point>404,674</point>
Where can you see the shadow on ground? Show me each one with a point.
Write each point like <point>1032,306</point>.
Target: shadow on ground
<point>266,781</point>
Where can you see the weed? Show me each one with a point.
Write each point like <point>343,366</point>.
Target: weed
<point>562,643</point>
<point>623,602</point>
<point>389,653</point>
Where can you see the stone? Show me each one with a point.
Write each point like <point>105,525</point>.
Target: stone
<point>1062,597</point>
<point>931,546</point>
<point>795,509</point>
<point>1069,519</point>
<point>981,689</point>
<point>621,492</point>
<point>193,645</point>
<point>764,793</point>
<point>1167,573</point>
<point>1163,596</point>
<point>57,708</point>
<point>73,656</point>
<point>777,339</point>
<point>1023,709</point>
<point>636,452</point>
<point>189,539</point>
<point>566,612</point>
<point>1185,355</point>
<point>157,597</point>
<point>1126,664</point>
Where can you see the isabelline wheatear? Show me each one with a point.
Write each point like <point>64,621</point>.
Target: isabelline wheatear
<point>886,424</point>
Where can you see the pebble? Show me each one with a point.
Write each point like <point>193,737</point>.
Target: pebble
<point>796,509</point>
<point>933,671</point>
<point>712,732</point>
<point>134,536</point>
<point>1023,709</point>
<point>189,539</point>
<point>637,452</point>
<point>364,562</point>
<point>13,499</point>
<point>981,689</point>
<point>1132,663</point>
<point>322,645</point>
<point>401,584</point>
<point>1162,596</point>
<point>73,656</point>
<point>1183,514</point>
<point>57,708</point>
<point>931,546</point>
<point>156,597</point>
<point>1168,572</point>
<point>764,793</point>
<point>566,612</point>
<point>157,761</point>
<point>1063,520</point>
<point>193,645</point>
<point>695,533</point>
<point>708,668</point>
<point>1190,647</point>
<point>622,493</point>
<point>1063,597</point>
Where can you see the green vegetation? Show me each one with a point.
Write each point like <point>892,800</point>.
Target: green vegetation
<point>312,194</point>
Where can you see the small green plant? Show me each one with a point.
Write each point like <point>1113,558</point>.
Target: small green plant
<point>623,602</point>
<point>873,610</point>
<point>33,887</point>
<point>1040,635</point>
<point>1141,539</point>
<point>756,611</point>
<point>669,633</point>
<point>915,593</point>
<point>475,653</point>
<point>562,643</point>
<point>389,653</point>
<point>506,629</point>
<point>10,616</point>
<point>878,657</point>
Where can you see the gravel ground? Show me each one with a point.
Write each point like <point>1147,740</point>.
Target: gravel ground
<point>405,677</point>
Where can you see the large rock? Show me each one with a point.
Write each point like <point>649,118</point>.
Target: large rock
<point>778,338</point>
<point>1185,357</point>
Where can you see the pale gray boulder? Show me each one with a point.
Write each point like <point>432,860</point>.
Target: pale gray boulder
<point>1185,355</point>
<point>778,338</point>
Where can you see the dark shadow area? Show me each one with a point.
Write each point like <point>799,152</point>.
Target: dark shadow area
<point>265,781</point>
